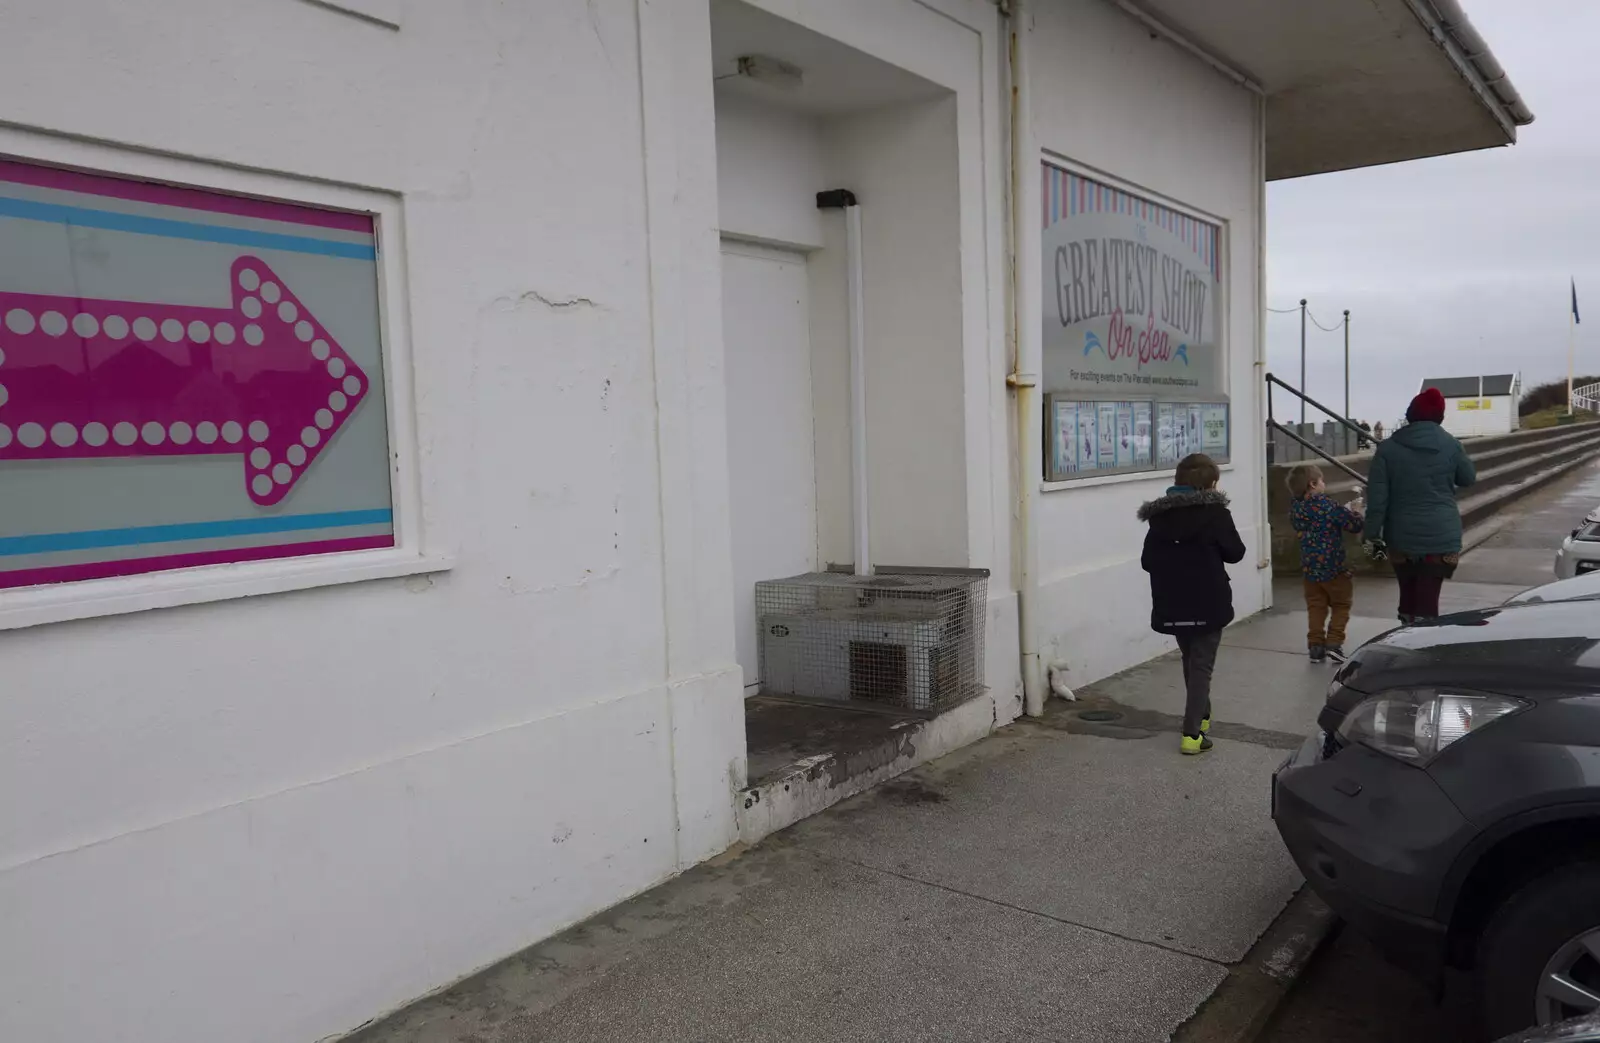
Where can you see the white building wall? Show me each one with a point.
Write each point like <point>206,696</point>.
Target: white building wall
<point>959,46</point>
<point>1501,415</point>
<point>271,819</point>
<point>1108,97</point>
<point>901,162</point>
<point>274,818</point>
<point>770,167</point>
<point>1495,415</point>
<point>930,177</point>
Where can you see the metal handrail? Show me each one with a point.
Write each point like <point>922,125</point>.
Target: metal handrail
<point>1335,461</point>
<point>1586,397</point>
<point>1302,396</point>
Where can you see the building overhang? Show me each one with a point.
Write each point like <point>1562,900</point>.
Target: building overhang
<point>1352,83</point>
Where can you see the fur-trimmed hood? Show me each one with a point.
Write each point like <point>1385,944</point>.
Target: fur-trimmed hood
<point>1176,498</point>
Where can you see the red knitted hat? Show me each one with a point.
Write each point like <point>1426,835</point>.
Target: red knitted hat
<point>1429,405</point>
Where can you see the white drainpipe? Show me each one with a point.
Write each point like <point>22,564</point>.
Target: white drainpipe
<point>860,521</point>
<point>858,393</point>
<point>1264,517</point>
<point>1025,348</point>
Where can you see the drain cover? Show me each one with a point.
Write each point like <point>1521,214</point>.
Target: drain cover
<point>1099,715</point>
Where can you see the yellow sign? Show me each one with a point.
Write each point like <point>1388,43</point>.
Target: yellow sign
<point>1472,403</point>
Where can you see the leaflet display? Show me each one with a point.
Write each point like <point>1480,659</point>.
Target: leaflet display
<point>1092,437</point>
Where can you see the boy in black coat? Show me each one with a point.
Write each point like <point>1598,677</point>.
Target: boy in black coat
<point>1191,540</point>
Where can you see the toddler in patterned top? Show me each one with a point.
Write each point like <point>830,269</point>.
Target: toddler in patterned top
<point>1329,584</point>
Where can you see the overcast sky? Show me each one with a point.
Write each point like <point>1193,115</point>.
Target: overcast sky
<point>1457,265</point>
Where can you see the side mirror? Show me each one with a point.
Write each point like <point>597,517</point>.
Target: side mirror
<point>1573,534</point>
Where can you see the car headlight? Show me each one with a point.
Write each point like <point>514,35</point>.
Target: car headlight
<point>1415,725</point>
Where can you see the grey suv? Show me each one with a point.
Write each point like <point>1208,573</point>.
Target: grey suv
<point>1449,805</point>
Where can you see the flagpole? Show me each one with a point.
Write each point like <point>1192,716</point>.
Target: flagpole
<point>1572,346</point>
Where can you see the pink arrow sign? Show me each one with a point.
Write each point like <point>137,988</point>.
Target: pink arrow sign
<point>92,379</point>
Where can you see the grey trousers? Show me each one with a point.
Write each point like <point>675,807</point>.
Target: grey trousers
<point>1199,659</point>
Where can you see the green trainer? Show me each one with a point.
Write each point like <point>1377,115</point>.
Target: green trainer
<point>1205,725</point>
<point>1195,744</point>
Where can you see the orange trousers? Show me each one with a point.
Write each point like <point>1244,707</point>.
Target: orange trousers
<point>1328,605</point>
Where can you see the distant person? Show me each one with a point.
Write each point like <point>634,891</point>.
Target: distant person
<point>1191,540</point>
<point>1329,584</point>
<point>1413,516</point>
<point>1377,431</point>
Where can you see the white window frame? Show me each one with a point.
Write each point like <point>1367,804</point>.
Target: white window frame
<point>414,552</point>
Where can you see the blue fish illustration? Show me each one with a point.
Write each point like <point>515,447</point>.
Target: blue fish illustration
<point>1182,353</point>
<point>1092,343</point>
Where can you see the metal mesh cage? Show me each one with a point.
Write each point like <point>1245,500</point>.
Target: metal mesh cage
<point>902,641</point>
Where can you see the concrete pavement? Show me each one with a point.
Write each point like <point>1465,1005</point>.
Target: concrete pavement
<point>1072,878</point>
<point>1062,880</point>
<point>1040,885</point>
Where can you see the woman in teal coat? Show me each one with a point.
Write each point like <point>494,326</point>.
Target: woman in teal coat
<point>1411,504</point>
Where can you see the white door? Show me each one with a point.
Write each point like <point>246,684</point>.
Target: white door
<point>771,451</point>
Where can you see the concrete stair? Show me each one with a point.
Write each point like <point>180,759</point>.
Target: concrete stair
<point>1509,467</point>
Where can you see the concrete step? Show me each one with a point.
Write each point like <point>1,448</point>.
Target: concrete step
<point>1488,454</point>
<point>1482,503</point>
<point>805,757</point>
<point>1518,468</point>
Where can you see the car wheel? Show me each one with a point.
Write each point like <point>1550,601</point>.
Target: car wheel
<point>1539,958</point>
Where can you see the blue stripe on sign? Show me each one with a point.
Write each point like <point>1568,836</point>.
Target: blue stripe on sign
<point>84,218</point>
<point>56,541</point>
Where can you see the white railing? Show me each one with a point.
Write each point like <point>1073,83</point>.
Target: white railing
<point>1586,397</point>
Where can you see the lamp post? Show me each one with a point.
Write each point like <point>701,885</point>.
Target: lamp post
<point>1302,361</point>
<point>1347,363</point>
